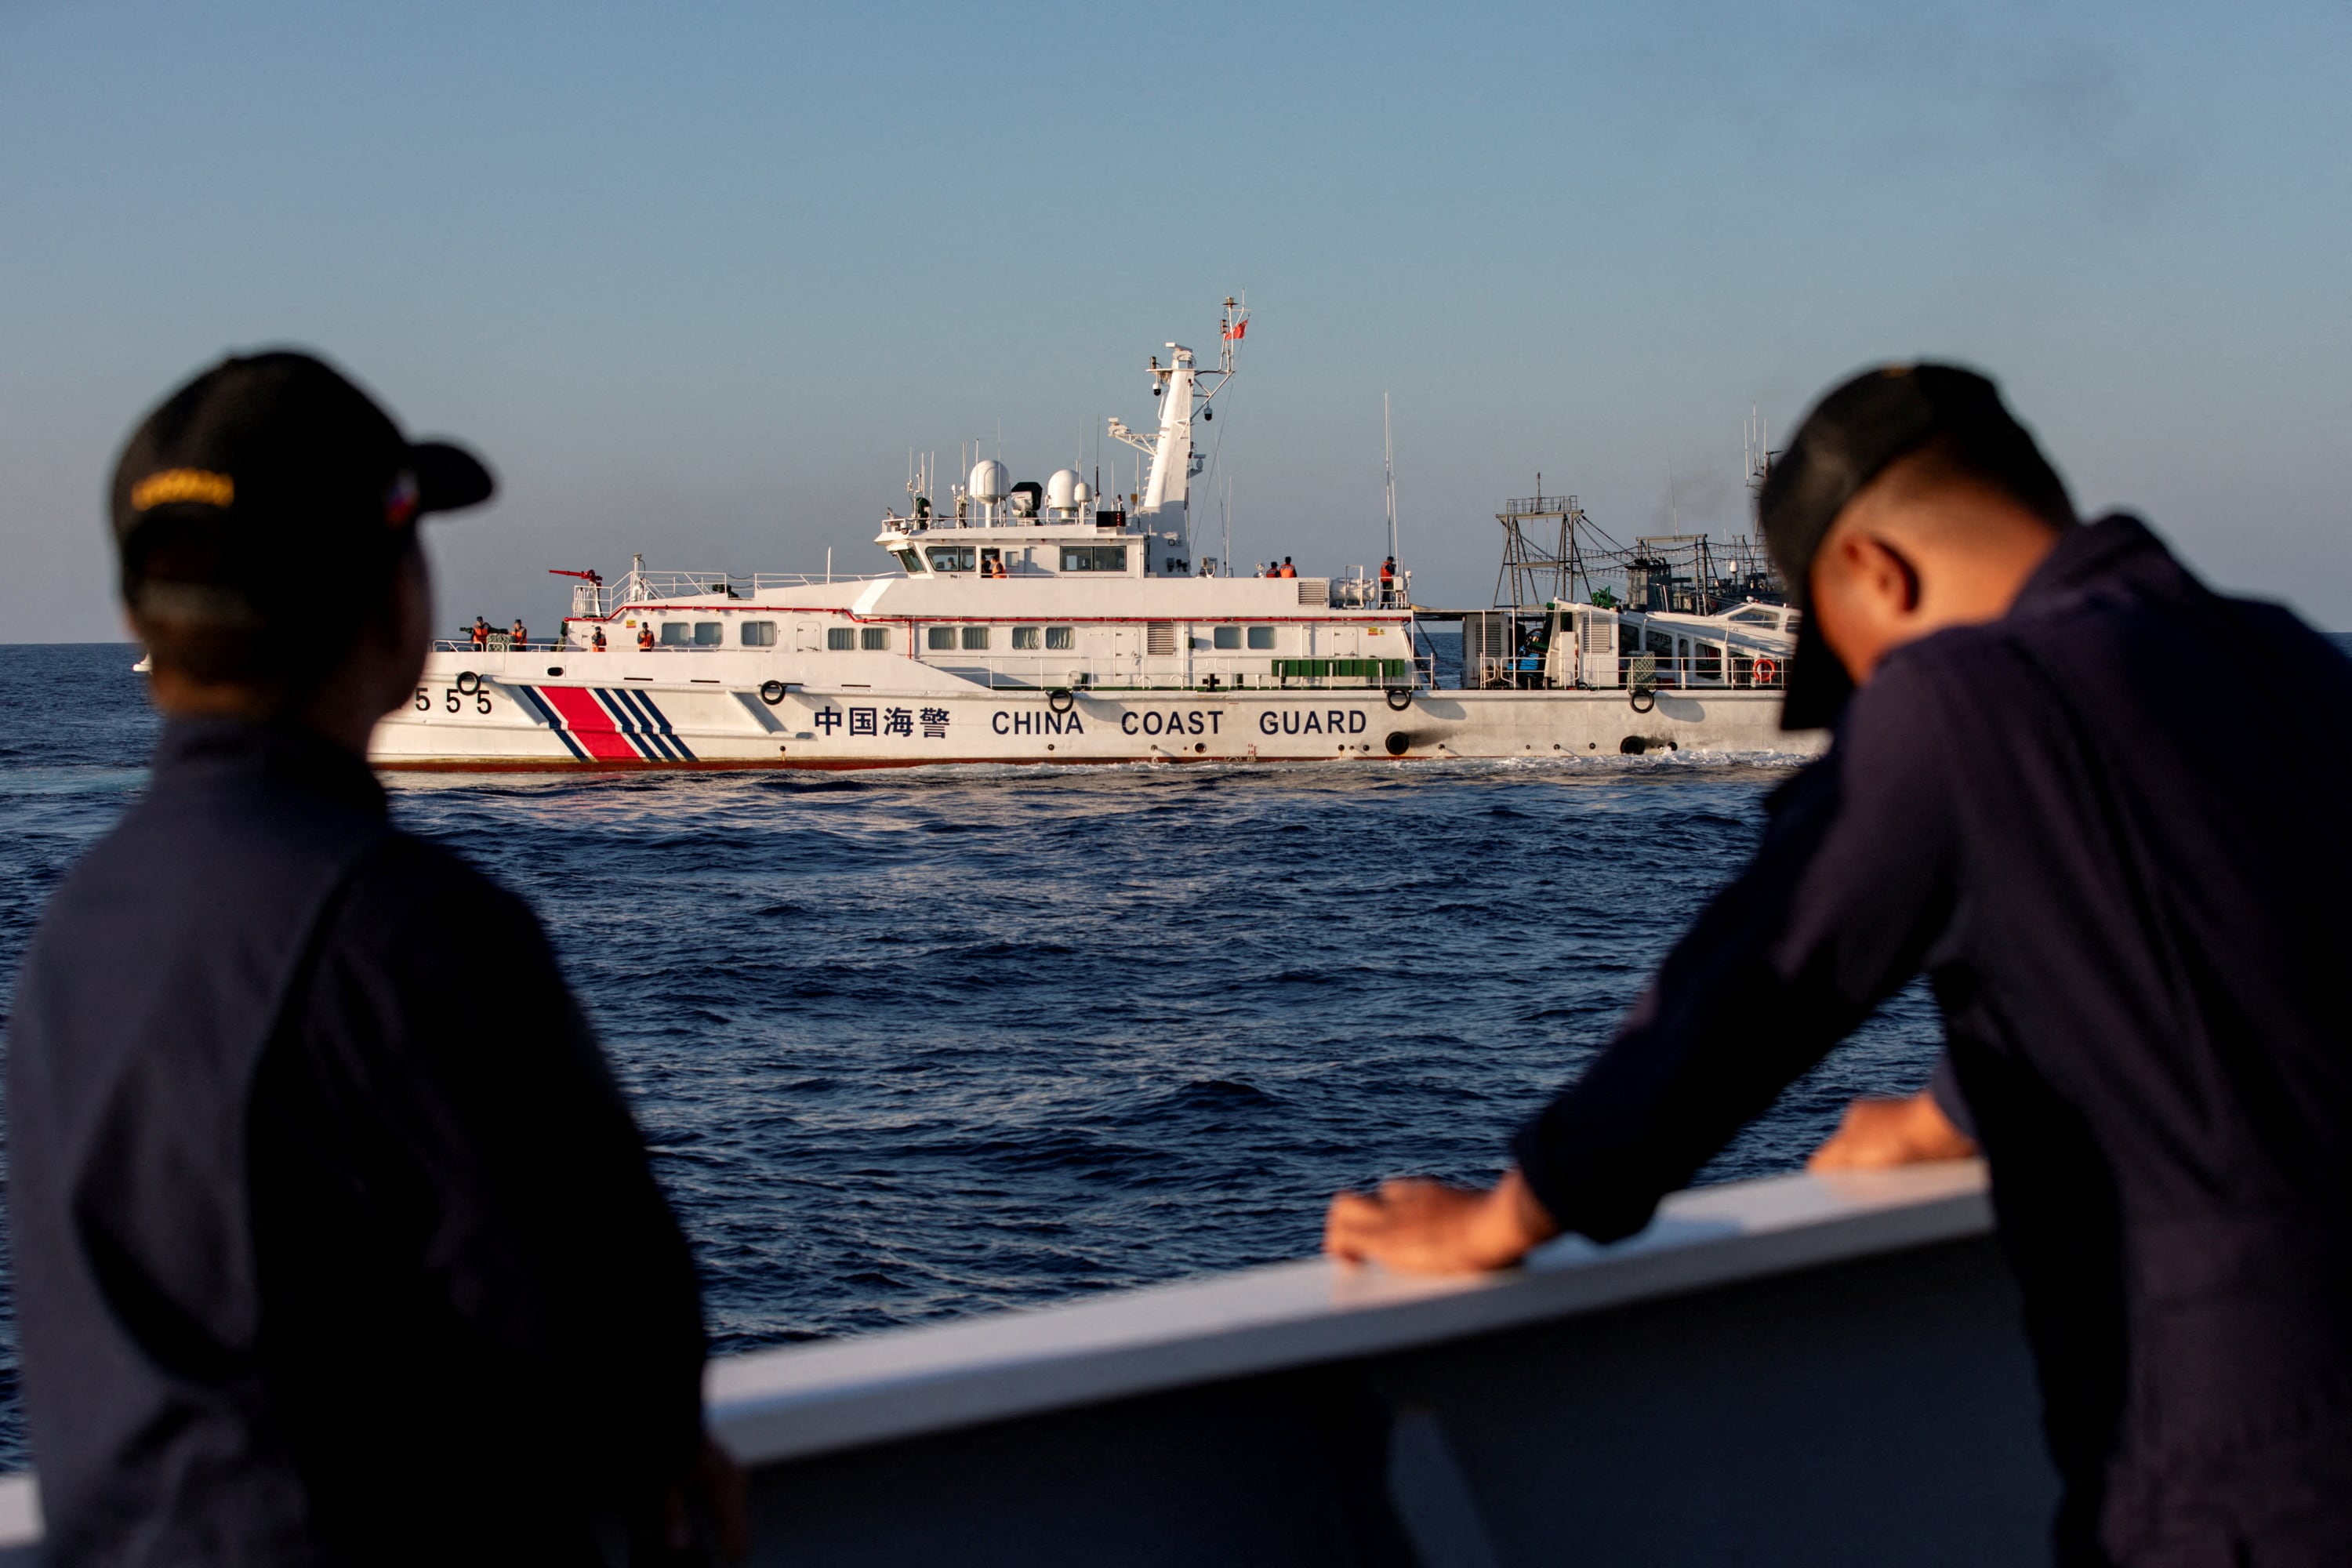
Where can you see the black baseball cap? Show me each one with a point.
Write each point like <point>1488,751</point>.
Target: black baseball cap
<point>278,451</point>
<point>1850,438</point>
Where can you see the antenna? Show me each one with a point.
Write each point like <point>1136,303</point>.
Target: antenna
<point>1388,472</point>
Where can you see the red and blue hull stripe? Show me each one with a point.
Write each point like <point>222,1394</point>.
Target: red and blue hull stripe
<point>602,724</point>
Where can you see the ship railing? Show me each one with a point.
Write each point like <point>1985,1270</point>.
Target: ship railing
<point>500,642</point>
<point>1641,672</point>
<point>663,587</point>
<point>1261,671</point>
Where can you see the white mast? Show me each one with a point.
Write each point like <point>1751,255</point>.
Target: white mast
<point>1178,386</point>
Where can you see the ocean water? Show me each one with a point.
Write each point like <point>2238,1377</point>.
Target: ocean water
<point>913,1044</point>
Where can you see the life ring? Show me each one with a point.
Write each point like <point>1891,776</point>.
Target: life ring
<point>468,683</point>
<point>1767,671</point>
<point>1399,698</point>
<point>1060,700</point>
<point>1644,702</point>
<point>772,692</point>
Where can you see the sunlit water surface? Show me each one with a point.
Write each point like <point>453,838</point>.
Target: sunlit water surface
<point>912,1045</point>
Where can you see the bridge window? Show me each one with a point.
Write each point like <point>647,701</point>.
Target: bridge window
<point>1060,639</point>
<point>940,639</point>
<point>1756,616</point>
<point>975,636</point>
<point>949,557</point>
<point>1094,558</point>
<point>1228,637</point>
<point>874,639</point>
<point>1261,637</point>
<point>910,560</point>
<point>840,639</point>
<point>1024,637</point>
<point>1710,661</point>
<point>758,634</point>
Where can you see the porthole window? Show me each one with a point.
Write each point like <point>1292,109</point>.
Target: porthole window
<point>758,634</point>
<point>1228,637</point>
<point>1025,637</point>
<point>1261,637</point>
<point>874,639</point>
<point>940,640</point>
<point>1060,639</point>
<point>840,639</point>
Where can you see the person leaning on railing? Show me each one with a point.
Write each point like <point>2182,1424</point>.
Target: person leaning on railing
<point>2029,797</point>
<point>333,1238</point>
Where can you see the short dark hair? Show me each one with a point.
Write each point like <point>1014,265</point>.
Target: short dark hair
<point>2011,466</point>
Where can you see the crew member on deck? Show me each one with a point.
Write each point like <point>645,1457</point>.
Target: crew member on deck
<point>480,633</point>
<point>1388,581</point>
<point>645,637</point>
<point>596,640</point>
<point>2032,793</point>
<point>1287,569</point>
<point>521,637</point>
<point>333,1239</point>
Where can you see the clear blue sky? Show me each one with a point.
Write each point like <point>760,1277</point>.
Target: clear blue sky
<point>696,278</point>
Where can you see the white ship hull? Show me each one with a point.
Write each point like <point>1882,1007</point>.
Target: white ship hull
<point>508,711</point>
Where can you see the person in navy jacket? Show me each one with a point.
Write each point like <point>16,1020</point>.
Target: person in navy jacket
<point>333,1238</point>
<point>2101,806</point>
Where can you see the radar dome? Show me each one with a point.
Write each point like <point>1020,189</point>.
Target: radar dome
<point>989,480</point>
<point>1062,486</point>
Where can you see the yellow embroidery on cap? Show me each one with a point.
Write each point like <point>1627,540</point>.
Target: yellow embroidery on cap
<point>183,485</point>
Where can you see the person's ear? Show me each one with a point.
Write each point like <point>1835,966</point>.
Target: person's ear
<point>1883,571</point>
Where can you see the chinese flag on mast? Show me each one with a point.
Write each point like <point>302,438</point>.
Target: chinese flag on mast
<point>1235,330</point>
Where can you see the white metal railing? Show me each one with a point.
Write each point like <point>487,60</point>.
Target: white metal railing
<point>643,587</point>
<point>1659,672</point>
<point>498,642</point>
<point>1256,671</point>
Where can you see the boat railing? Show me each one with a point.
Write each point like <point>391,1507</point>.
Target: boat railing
<point>1641,672</point>
<point>498,642</point>
<point>1128,671</point>
<point>643,587</point>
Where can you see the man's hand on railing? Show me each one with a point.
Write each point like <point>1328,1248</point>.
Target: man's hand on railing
<point>1428,1227</point>
<point>1877,1133</point>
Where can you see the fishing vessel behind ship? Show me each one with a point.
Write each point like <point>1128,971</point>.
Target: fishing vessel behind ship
<point>1025,623</point>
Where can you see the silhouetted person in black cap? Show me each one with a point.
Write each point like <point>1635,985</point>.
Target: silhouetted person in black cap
<point>333,1240</point>
<point>2034,794</point>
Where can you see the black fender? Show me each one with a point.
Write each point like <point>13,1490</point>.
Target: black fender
<point>1060,700</point>
<point>1643,702</point>
<point>1399,698</point>
<point>772,692</point>
<point>467,683</point>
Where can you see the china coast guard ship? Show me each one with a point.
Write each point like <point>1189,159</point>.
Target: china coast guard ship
<point>1023,623</point>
